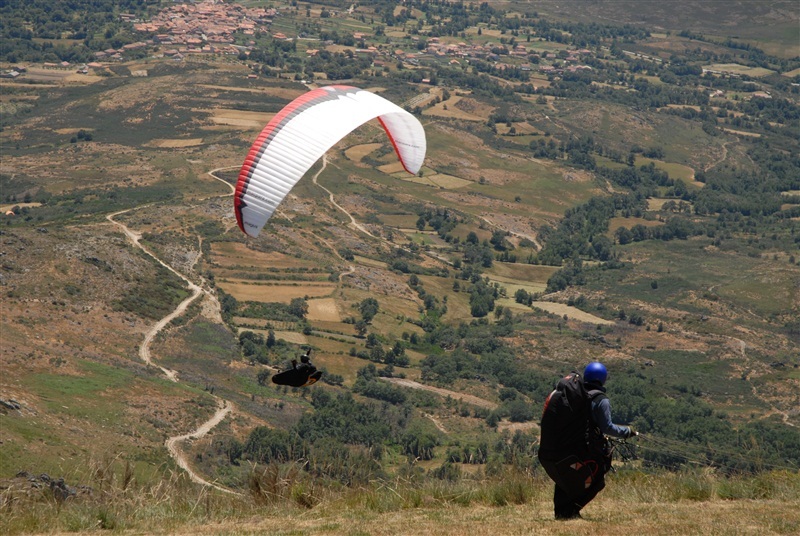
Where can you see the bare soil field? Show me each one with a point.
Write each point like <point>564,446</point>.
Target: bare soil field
<point>438,180</point>
<point>366,261</point>
<point>736,68</point>
<point>59,76</point>
<point>392,168</point>
<point>324,310</point>
<point>176,143</point>
<point>742,133</point>
<point>221,117</point>
<point>6,208</point>
<point>267,293</point>
<point>573,313</point>
<point>357,153</point>
<point>458,107</point>
<point>523,273</point>
<point>235,254</point>
<point>401,221</point>
<point>288,94</point>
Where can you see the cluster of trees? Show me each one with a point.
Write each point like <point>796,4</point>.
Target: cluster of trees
<point>581,233</point>
<point>92,24</point>
<point>699,433</point>
<point>294,311</point>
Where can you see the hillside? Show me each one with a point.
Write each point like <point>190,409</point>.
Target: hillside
<point>591,191</point>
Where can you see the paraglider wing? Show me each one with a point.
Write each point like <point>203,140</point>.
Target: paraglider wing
<point>302,132</point>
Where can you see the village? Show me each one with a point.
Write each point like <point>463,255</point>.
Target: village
<point>216,28</point>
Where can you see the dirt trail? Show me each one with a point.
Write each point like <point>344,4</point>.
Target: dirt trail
<point>469,399</point>
<point>172,444</point>
<point>720,160</point>
<point>224,407</point>
<point>351,269</point>
<point>144,349</point>
<point>353,223</point>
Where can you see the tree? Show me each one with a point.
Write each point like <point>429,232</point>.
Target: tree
<point>361,328</point>
<point>298,307</point>
<point>263,377</point>
<point>368,308</point>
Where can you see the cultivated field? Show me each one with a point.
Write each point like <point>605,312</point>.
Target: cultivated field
<point>274,292</point>
<point>570,312</point>
<point>735,68</point>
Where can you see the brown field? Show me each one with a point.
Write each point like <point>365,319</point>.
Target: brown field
<point>401,221</point>
<point>40,74</point>
<point>573,313</point>
<point>268,293</point>
<point>293,337</point>
<point>453,108</point>
<point>358,152</point>
<point>511,303</point>
<point>513,286</point>
<point>237,118</point>
<point>339,362</point>
<point>167,144</point>
<point>338,329</point>
<point>392,168</point>
<point>6,208</point>
<point>324,310</point>
<point>742,133</point>
<point>260,323</point>
<point>616,223</point>
<point>522,128</point>
<point>288,94</point>
<point>234,254</point>
<point>366,261</point>
<point>438,180</point>
<point>522,273</point>
<point>735,68</point>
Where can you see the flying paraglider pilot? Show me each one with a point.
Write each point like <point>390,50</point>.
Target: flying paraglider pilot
<point>573,449</point>
<point>299,375</point>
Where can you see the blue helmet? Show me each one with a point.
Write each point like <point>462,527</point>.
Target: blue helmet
<point>595,372</point>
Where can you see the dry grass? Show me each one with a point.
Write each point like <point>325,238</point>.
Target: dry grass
<point>573,313</point>
<point>248,291</point>
<point>285,499</point>
<point>358,152</point>
<point>439,180</point>
<point>238,118</point>
<point>236,255</point>
<point>458,107</point>
<point>323,310</point>
<point>176,143</point>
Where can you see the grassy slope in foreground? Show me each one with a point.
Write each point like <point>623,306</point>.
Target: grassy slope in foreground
<point>695,502</point>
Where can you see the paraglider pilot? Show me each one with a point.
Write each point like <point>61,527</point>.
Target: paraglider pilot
<point>573,449</point>
<point>299,375</point>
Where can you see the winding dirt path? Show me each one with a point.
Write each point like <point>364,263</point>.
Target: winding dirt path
<point>144,348</point>
<point>172,444</point>
<point>720,160</point>
<point>353,223</point>
<point>224,407</point>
